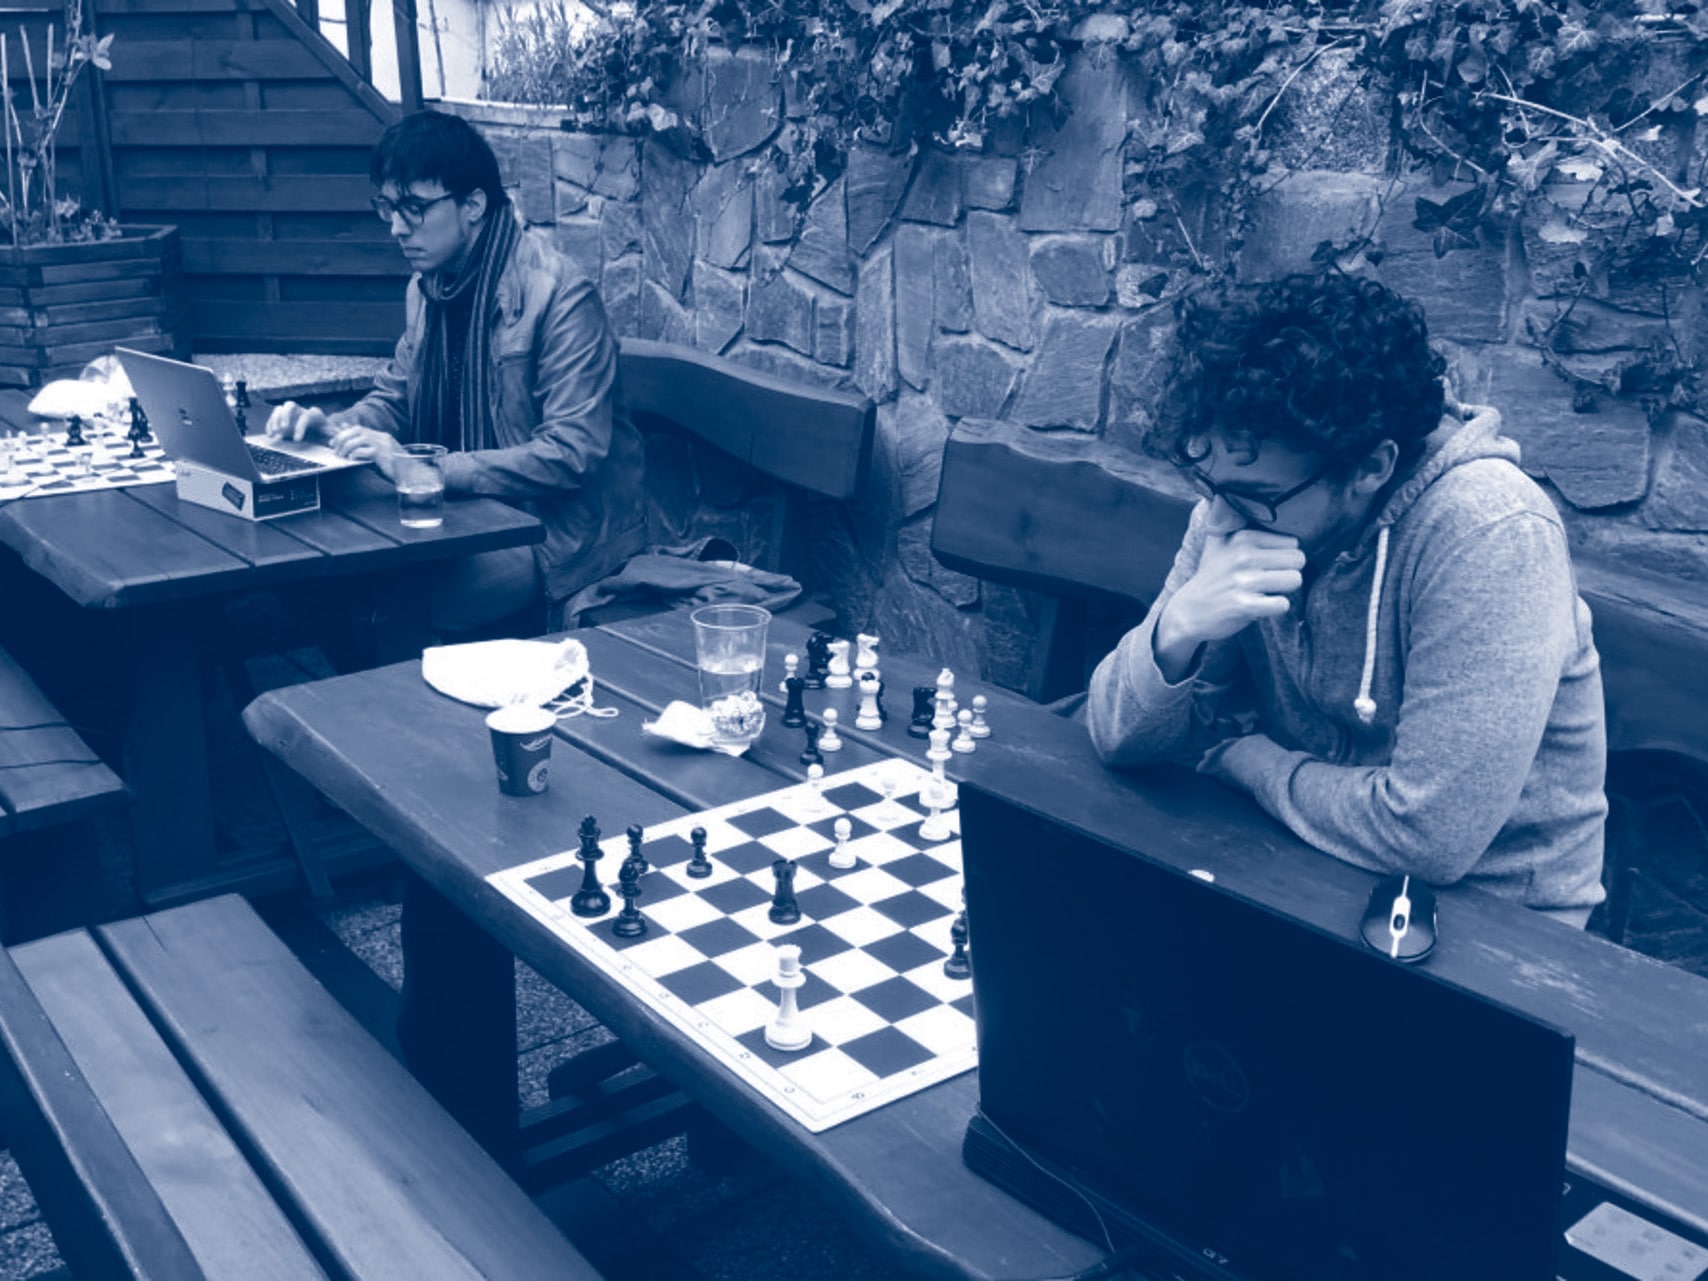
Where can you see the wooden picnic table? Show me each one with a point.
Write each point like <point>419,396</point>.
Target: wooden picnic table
<point>416,769</point>
<point>148,573</point>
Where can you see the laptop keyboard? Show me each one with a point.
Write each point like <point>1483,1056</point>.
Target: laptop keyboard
<point>273,462</point>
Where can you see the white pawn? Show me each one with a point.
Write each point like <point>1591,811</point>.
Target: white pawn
<point>979,729</point>
<point>964,739</point>
<point>787,1031</point>
<point>944,717</point>
<point>842,858</point>
<point>828,739</point>
<point>815,789</point>
<point>868,717</point>
<point>866,660</point>
<point>840,676</point>
<point>936,825</point>
<point>790,663</point>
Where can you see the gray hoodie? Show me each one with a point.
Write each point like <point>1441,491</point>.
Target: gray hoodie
<point>1431,703</point>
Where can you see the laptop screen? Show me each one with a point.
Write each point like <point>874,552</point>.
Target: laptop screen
<point>1248,1085</point>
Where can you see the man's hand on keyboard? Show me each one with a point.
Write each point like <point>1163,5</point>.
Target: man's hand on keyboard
<point>291,421</point>
<point>367,445</point>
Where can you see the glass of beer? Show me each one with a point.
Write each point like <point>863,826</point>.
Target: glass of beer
<point>421,486</point>
<point>729,644</point>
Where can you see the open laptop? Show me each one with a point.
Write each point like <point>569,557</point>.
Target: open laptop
<point>1234,1095</point>
<point>187,410</point>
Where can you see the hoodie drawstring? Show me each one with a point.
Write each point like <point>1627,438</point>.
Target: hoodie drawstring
<point>1364,705</point>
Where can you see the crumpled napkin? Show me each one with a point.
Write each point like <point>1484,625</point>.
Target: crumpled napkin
<point>690,726</point>
<point>496,673</point>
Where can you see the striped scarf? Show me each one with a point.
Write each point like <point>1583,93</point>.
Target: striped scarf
<point>479,274</point>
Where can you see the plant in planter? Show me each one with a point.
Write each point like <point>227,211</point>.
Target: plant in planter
<point>72,281</point>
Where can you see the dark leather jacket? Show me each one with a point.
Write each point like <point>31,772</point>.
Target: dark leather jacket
<point>567,451</point>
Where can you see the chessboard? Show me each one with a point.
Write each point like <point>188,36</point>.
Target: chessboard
<point>885,1018</point>
<point>44,465</point>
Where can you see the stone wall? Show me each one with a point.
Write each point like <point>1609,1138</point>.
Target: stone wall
<point>1028,285</point>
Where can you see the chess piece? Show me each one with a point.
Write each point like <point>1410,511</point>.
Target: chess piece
<point>964,741</point>
<point>936,825</point>
<point>815,789</point>
<point>794,709</point>
<point>868,717</point>
<point>842,858</point>
<point>590,899</point>
<point>228,385</point>
<point>941,789</point>
<point>979,729</point>
<point>636,834</point>
<point>959,965</point>
<point>840,674</point>
<point>791,662</point>
<point>818,659</point>
<point>866,659</point>
<point>699,867</point>
<point>241,399</point>
<point>892,811</point>
<point>829,740</point>
<point>138,428</point>
<point>883,715</point>
<point>920,725</point>
<point>787,1031</point>
<point>784,909</point>
<point>241,415</point>
<point>944,715</point>
<point>74,432</point>
<point>629,923</point>
<point>810,753</point>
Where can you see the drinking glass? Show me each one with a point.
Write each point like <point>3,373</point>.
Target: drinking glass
<point>421,486</point>
<point>729,646</point>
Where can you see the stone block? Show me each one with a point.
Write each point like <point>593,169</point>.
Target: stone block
<point>1463,293</point>
<point>719,306</point>
<point>918,431</point>
<point>822,250</point>
<point>1292,218</point>
<point>987,182</point>
<point>722,202</point>
<point>529,156</point>
<point>1002,280</point>
<point>780,309</point>
<point>1140,285</point>
<point>1075,184</point>
<point>914,255</point>
<point>1623,541</point>
<point>1586,327</point>
<point>1073,270</point>
<point>576,158</point>
<point>580,240</point>
<point>570,198</point>
<point>874,183</point>
<point>774,219</point>
<point>1596,459</point>
<point>874,326</point>
<point>913,550</point>
<point>1064,386</point>
<point>951,284</point>
<point>623,232</point>
<point>1679,499</point>
<point>1561,251</point>
<point>833,339</point>
<point>1136,377</point>
<point>935,195</point>
<point>662,317</point>
<point>743,103</point>
<point>973,377</point>
<point>620,290</point>
<point>917,617</point>
<point>773,359</point>
<point>667,217</point>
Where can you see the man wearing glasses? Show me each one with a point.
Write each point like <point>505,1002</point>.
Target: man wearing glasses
<point>507,360</point>
<point>1372,624</point>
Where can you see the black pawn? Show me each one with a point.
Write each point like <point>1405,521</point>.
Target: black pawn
<point>138,428</point>
<point>924,709</point>
<point>810,755</point>
<point>590,899</point>
<point>959,965</point>
<point>699,866</point>
<point>74,431</point>
<point>784,909</point>
<point>242,418</point>
<point>242,399</point>
<point>636,834</point>
<point>818,659</point>
<point>794,707</point>
<point>629,923</point>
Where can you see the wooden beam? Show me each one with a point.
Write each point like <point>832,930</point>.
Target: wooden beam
<point>358,38</point>
<point>275,193</point>
<point>408,52</point>
<point>235,128</point>
<point>222,257</point>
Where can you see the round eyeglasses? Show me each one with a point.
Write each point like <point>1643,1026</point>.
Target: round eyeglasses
<point>1260,511</point>
<point>412,209</point>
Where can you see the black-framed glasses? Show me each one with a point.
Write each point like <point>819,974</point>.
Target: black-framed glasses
<point>412,209</point>
<point>1260,511</point>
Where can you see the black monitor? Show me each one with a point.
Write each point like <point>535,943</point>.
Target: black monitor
<point>1163,1061</point>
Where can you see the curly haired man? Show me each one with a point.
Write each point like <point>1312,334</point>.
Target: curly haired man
<point>1372,624</point>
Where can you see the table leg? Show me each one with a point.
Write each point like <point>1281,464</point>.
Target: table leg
<point>457,1026</point>
<point>166,751</point>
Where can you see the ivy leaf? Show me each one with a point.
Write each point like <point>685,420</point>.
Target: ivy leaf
<point>1447,240</point>
<point>1580,169</point>
<point>1474,66</point>
<point>1458,214</point>
<point>1528,171</point>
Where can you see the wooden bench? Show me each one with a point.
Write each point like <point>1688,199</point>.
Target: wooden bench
<point>186,1101</point>
<point>48,774</point>
<point>1045,514</point>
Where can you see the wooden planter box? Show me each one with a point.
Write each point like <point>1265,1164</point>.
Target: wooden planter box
<point>63,305</point>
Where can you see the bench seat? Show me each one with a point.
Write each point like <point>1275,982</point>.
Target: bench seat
<point>187,1101</point>
<point>48,775</point>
